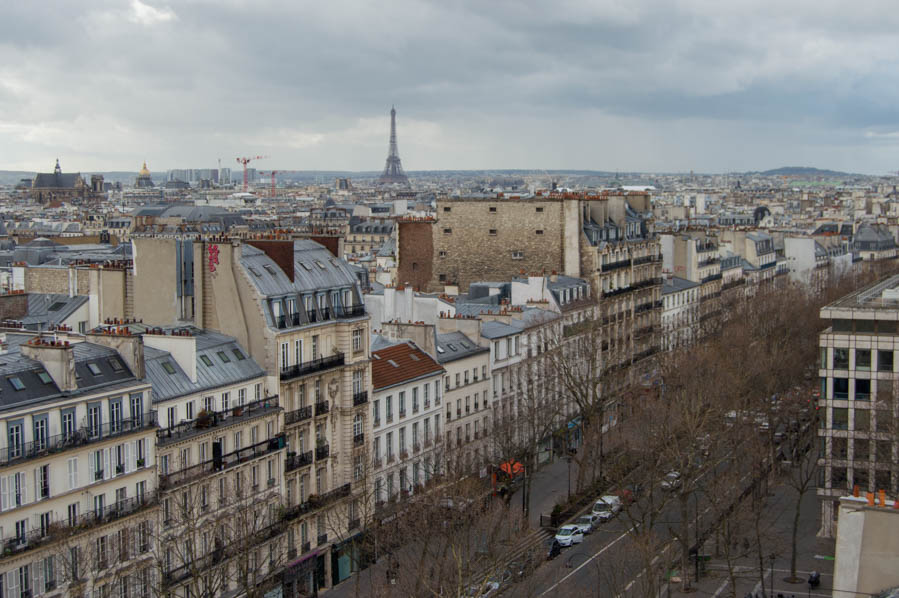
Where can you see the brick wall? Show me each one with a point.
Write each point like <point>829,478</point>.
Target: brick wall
<point>13,307</point>
<point>56,280</point>
<point>415,246</point>
<point>479,239</point>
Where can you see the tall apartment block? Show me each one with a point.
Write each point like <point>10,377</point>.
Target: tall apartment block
<point>298,311</point>
<point>858,406</point>
<point>606,238</point>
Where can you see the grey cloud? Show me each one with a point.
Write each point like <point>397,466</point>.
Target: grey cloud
<point>705,85</point>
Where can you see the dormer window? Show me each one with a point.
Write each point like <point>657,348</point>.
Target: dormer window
<point>206,361</point>
<point>16,383</point>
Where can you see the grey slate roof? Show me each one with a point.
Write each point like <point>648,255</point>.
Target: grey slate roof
<point>58,180</point>
<point>50,309</point>
<point>455,345</point>
<point>315,269</point>
<point>168,386</point>
<point>13,364</point>
<point>676,284</point>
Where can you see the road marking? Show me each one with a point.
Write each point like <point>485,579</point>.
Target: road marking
<point>721,588</point>
<point>824,557</point>
<point>588,561</point>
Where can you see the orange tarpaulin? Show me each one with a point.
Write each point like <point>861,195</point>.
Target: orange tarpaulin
<point>512,468</point>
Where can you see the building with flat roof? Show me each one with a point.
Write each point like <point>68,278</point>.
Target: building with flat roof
<point>859,373</point>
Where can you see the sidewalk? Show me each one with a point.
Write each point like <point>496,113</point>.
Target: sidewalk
<point>550,484</point>
<point>813,554</point>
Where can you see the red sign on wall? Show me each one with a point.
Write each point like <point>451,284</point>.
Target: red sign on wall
<point>213,257</point>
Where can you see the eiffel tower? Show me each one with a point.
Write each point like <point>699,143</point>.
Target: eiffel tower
<point>393,170</point>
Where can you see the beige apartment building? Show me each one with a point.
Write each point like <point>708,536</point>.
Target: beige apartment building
<point>606,238</point>
<point>77,470</point>
<point>298,311</point>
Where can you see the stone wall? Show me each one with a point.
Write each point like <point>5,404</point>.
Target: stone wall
<point>477,239</point>
<point>415,251</point>
<point>57,280</point>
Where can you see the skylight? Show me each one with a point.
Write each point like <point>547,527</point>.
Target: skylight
<point>45,377</point>
<point>269,269</point>
<point>440,349</point>
<point>56,306</point>
<point>319,264</point>
<point>414,357</point>
<point>306,266</point>
<point>223,357</point>
<point>206,361</point>
<point>254,271</point>
<point>240,356</point>
<point>393,363</point>
<point>94,369</point>
<point>451,346</point>
<point>16,383</point>
<point>464,344</point>
<point>168,367</point>
<point>115,364</point>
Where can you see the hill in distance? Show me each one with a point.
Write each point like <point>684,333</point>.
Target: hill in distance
<point>802,171</point>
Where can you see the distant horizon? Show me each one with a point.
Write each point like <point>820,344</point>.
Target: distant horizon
<point>529,171</point>
<point>641,86</point>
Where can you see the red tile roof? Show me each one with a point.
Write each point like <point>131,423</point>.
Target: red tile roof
<point>411,363</point>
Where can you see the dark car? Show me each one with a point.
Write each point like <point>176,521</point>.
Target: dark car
<point>554,549</point>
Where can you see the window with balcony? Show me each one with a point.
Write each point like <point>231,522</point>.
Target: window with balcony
<point>402,403</point>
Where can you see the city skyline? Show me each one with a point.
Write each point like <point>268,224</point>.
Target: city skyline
<point>640,88</point>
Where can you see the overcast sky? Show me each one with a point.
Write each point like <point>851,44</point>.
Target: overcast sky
<point>672,85</point>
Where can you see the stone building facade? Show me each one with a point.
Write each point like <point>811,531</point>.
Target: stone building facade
<point>493,238</point>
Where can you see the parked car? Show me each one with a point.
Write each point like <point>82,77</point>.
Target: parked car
<point>482,591</point>
<point>553,549</point>
<point>626,495</point>
<point>671,481</point>
<point>606,507</point>
<point>569,535</point>
<point>587,523</point>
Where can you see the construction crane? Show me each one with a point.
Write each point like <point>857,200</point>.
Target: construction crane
<point>244,162</point>
<point>272,173</point>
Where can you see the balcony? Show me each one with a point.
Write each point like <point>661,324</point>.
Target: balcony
<point>711,278</point>
<point>647,259</point>
<point>231,459</point>
<point>85,435</point>
<point>298,415</point>
<point>322,408</point>
<point>316,502</point>
<point>322,452</point>
<point>296,461</point>
<point>226,417</point>
<point>358,440</point>
<point>360,398</point>
<point>322,314</point>
<point>616,265</point>
<point>311,367</point>
<point>62,529</point>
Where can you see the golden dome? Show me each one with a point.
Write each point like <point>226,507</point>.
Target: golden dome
<point>145,171</point>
